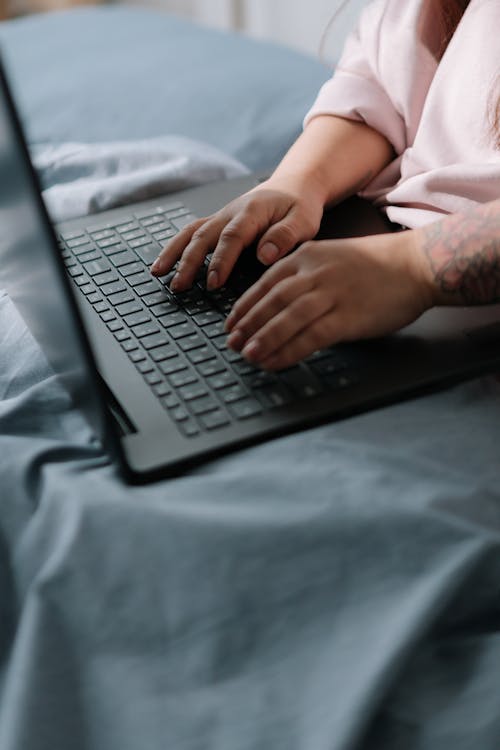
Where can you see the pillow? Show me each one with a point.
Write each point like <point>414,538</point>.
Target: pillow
<point>108,73</point>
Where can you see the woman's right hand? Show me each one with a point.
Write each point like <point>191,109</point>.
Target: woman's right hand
<point>277,213</point>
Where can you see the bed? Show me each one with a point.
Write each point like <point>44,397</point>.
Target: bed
<point>329,590</point>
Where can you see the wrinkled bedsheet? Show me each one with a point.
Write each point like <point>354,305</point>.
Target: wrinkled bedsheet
<point>330,590</point>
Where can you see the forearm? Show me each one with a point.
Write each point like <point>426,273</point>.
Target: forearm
<point>335,158</point>
<point>462,254</point>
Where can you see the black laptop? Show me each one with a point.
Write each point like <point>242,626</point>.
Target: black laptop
<point>151,370</point>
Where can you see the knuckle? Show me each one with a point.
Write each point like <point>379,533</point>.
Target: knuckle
<point>286,234</point>
<point>231,233</point>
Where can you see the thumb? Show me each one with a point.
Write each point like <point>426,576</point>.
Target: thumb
<point>278,240</point>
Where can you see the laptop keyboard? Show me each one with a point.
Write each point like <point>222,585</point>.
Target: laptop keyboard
<point>177,341</point>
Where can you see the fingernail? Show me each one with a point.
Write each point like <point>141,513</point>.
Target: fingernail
<point>236,340</point>
<point>174,284</point>
<point>212,280</point>
<point>251,350</point>
<point>229,323</point>
<point>268,253</point>
<point>156,266</point>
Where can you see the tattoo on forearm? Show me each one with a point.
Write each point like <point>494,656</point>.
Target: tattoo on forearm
<point>464,254</point>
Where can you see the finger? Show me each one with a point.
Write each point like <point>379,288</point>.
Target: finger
<point>173,250</point>
<point>324,331</point>
<point>275,274</point>
<point>203,241</point>
<point>283,300</point>
<point>281,238</point>
<point>237,234</point>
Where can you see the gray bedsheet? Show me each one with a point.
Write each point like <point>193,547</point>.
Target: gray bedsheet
<point>334,589</point>
<point>337,589</point>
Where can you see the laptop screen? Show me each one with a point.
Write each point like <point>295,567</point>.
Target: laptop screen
<point>32,272</point>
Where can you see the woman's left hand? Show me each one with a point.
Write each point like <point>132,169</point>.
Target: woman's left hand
<point>331,291</point>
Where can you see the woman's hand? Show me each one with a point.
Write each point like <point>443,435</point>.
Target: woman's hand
<point>279,213</point>
<point>331,291</point>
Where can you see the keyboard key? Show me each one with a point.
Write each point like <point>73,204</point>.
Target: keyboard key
<point>170,401</point>
<point>133,234</point>
<point>222,380</point>
<point>148,253</point>
<point>100,233</point>
<point>114,288</point>
<point>182,221</point>
<point>146,289</point>
<point>182,330</point>
<point>155,298</point>
<point>70,235</point>
<point>219,341</point>
<point>165,308</point>
<point>101,306</point>
<point>144,366</point>
<point>214,419</point>
<point>273,396</point>
<point>185,377</point>
<point>233,393</point>
<point>212,330</point>
<point>140,242</point>
<point>246,408</point>
<point>115,325</point>
<point>302,382</point>
<point>142,277</point>
<point>137,355</point>
<point>193,390</point>
<point>94,298</point>
<point>203,405</point>
<point>108,242</point>
<point>123,258</point>
<point>108,315</point>
<point>201,354</point>
<point>78,242</point>
<point>189,428</point>
<point>127,226</point>
<point>81,280</point>
<point>210,367</point>
<point>98,266</point>
<point>174,364</point>
<point>163,234</point>
<point>115,249</point>
<point>180,414</point>
<point>145,330</point>
<point>129,345</point>
<point>153,378</point>
<point>137,318</point>
<point>161,389</point>
<point>156,339</point>
<point>122,335</point>
<point>148,221</point>
<point>191,342</point>
<point>131,269</point>
<point>173,319</point>
<point>206,317</point>
<point>91,255</point>
<point>160,353</point>
<point>127,308</point>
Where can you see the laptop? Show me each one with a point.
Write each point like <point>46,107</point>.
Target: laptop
<point>150,370</point>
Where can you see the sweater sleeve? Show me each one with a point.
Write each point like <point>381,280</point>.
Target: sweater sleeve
<point>356,90</point>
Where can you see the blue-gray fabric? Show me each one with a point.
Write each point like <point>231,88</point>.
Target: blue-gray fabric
<point>124,73</point>
<point>337,589</point>
<point>79,179</point>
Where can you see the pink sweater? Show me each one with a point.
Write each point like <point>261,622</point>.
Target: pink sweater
<point>437,116</point>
